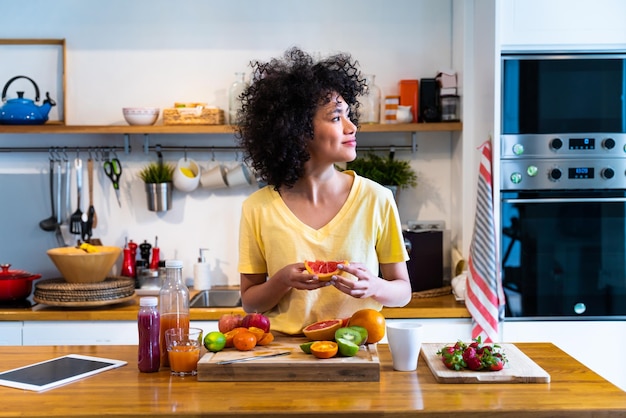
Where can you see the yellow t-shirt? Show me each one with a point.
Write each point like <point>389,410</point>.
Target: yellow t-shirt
<point>366,229</point>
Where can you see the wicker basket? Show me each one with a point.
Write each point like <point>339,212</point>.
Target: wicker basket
<point>193,116</point>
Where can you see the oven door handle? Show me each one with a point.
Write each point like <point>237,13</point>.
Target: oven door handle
<point>567,200</point>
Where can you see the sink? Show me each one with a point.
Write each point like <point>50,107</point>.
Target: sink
<point>216,298</point>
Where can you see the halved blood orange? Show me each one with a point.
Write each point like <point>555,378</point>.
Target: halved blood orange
<point>324,349</point>
<point>323,269</point>
<point>322,330</point>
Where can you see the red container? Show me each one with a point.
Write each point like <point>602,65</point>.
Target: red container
<point>15,284</point>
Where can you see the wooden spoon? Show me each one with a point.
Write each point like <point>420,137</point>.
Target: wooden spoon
<point>92,209</point>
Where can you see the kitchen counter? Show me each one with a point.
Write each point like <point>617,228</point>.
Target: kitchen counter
<point>574,391</point>
<point>419,307</point>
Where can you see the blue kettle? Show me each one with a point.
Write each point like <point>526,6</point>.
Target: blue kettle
<point>21,111</point>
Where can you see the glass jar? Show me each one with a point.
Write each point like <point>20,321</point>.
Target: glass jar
<point>174,303</point>
<point>370,101</point>
<point>148,324</point>
<point>234,96</point>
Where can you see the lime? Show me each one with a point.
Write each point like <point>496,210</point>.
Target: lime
<point>214,341</point>
<point>306,347</point>
<point>362,331</point>
<point>347,348</point>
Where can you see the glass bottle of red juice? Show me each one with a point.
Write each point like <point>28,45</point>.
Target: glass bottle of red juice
<point>148,324</point>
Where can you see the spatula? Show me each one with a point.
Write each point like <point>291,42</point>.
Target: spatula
<point>92,209</point>
<point>76,218</point>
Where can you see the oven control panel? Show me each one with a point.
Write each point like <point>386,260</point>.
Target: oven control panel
<point>549,174</point>
<point>581,145</point>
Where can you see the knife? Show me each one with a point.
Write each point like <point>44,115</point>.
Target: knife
<point>282,353</point>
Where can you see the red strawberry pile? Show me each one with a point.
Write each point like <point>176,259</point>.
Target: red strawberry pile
<point>475,356</point>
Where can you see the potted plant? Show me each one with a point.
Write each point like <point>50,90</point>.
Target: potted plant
<point>157,177</point>
<point>392,173</point>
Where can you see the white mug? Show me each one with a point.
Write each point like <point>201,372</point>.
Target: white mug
<point>405,343</point>
<point>182,181</point>
<point>239,175</point>
<point>214,178</point>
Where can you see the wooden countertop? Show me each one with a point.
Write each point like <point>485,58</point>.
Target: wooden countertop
<point>574,391</point>
<point>432,307</point>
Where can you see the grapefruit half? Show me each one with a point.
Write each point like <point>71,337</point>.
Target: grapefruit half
<point>322,330</point>
<point>323,269</point>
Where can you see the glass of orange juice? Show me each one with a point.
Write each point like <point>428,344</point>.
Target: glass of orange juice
<point>183,349</point>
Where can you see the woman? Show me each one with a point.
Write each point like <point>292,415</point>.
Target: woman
<point>297,121</point>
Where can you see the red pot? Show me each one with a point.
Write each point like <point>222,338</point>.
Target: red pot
<point>15,284</point>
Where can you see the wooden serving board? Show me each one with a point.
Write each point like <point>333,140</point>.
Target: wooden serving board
<point>519,369</point>
<point>296,366</point>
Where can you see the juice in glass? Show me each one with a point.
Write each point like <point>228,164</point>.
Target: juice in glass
<point>184,359</point>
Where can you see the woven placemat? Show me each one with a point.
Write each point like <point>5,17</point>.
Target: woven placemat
<point>431,293</point>
<point>59,291</point>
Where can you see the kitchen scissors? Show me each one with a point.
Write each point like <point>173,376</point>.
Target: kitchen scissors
<point>113,170</point>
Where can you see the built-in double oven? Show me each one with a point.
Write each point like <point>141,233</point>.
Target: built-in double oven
<point>563,185</point>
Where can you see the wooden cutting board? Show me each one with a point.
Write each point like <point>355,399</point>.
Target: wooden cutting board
<point>296,366</point>
<point>519,369</point>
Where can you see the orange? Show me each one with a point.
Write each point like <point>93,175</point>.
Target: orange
<point>267,338</point>
<point>373,321</point>
<point>323,269</point>
<point>258,332</point>
<point>324,349</point>
<point>244,341</point>
<point>231,334</point>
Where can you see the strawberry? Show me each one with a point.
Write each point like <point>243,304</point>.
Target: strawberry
<point>475,356</point>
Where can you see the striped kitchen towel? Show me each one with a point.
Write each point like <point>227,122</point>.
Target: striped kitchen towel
<point>484,294</point>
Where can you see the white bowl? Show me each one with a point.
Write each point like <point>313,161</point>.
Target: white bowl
<point>141,115</point>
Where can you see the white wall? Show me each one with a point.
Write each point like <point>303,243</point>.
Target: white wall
<point>152,53</point>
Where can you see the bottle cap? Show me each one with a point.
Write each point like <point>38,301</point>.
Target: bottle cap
<point>149,301</point>
<point>174,264</point>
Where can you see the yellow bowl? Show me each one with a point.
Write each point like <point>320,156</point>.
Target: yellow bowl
<point>79,266</point>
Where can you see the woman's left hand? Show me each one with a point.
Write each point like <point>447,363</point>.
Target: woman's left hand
<point>365,286</point>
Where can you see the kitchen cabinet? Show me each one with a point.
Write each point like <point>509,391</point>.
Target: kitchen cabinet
<point>85,332</point>
<point>561,24</point>
<point>10,333</point>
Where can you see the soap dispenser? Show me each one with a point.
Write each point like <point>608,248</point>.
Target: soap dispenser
<point>202,272</point>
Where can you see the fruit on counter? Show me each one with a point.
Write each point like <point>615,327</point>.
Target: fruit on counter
<point>214,341</point>
<point>372,320</point>
<point>474,356</point>
<point>231,334</point>
<point>256,320</point>
<point>323,269</point>
<point>322,330</point>
<point>244,341</point>
<point>229,322</point>
<point>347,348</point>
<point>266,339</point>
<point>356,336</point>
<point>306,347</point>
<point>324,349</point>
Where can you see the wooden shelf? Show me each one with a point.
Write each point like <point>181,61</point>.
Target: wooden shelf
<point>203,129</point>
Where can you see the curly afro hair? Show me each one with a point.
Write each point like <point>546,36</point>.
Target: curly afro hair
<point>275,123</point>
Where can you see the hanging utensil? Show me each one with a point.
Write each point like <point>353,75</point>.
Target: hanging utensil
<point>50,223</point>
<point>57,231</point>
<point>76,218</point>
<point>92,210</point>
<point>113,170</point>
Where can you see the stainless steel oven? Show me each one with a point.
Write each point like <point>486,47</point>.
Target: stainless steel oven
<point>563,186</point>
<point>563,225</point>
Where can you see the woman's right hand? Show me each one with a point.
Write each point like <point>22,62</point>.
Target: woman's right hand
<point>296,277</point>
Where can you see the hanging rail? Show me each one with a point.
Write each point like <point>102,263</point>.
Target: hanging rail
<point>177,148</point>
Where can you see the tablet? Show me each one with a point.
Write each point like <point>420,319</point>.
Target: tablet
<point>56,372</point>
